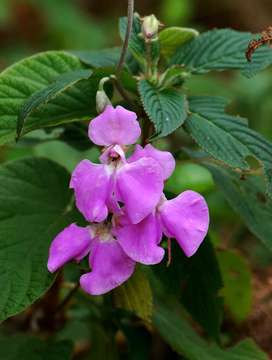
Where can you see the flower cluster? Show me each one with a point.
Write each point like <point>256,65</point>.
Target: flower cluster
<point>124,203</point>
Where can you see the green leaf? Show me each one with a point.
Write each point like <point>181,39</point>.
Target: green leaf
<point>173,37</point>
<point>30,348</point>
<point>227,138</point>
<point>99,58</point>
<point>185,341</point>
<point>247,197</point>
<point>42,97</point>
<point>173,76</point>
<point>220,50</point>
<point>167,109</point>
<point>237,291</point>
<point>35,203</point>
<point>21,80</point>
<point>136,296</point>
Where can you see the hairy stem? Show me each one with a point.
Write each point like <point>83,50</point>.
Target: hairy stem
<point>126,41</point>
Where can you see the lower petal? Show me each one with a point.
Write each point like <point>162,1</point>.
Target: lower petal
<point>140,241</point>
<point>139,186</point>
<point>186,218</point>
<point>110,265</point>
<point>92,185</point>
<point>68,245</point>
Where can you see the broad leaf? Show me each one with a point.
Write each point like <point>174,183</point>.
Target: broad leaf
<point>185,341</point>
<point>173,37</point>
<point>31,348</point>
<point>247,197</point>
<point>136,296</point>
<point>227,138</point>
<point>99,58</point>
<point>42,97</point>
<point>222,49</point>
<point>237,291</point>
<point>21,80</point>
<point>35,203</point>
<point>167,108</point>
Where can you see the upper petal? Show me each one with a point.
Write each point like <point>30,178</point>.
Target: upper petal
<point>110,265</point>
<point>114,126</point>
<point>186,218</point>
<point>164,158</point>
<point>139,186</point>
<point>140,241</point>
<point>67,245</point>
<point>92,186</point>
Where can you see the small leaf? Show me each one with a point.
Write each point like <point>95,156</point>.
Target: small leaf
<point>185,341</point>
<point>34,199</point>
<point>248,199</point>
<point>167,109</point>
<point>99,58</point>
<point>41,97</point>
<point>227,138</point>
<point>31,348</point>
<point>237,291</point>
<point>136,296</point>
<point>173,76</point>
<point>220,50</point>
<point>173,37</point>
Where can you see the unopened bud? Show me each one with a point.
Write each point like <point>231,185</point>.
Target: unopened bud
<point>102,99</point>
<point>150,27</point>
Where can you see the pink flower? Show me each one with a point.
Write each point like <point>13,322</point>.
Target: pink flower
<point>98,187</point>
<point>131,192</point>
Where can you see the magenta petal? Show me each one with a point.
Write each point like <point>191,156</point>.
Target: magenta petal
<point>92,185</point>
<point>164,158</point>
<point>67,245</point>
<point>140,241</point>
<point>139,186</point>
<point>186,218</point>
<point>110,265</point>
<point>114,126</point>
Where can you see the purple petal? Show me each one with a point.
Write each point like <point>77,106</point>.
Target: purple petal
<point>110,265</point>
<point>67,245</point>
<point>114,126</point>
<point>140,241</point>
<point>164,158</point>
<point>139,186</point>
<point>186,218</point>
<point>92,186</point>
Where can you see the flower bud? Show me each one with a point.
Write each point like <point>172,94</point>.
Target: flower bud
<point>150,27</point>
<point>102,99</point>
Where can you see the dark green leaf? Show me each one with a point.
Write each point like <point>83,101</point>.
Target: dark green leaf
<point>248,199</point>
<point>237,291</point>
<point>136,296</point>
<point>21,80</point>
<point>173,37</point>
<point>42,97</point>
<point>184,340</point>
<point>30,348</point>
<point>227,138</point>
<point>167,109</point>
<point>222,49</point>
<point>99,58</point>
<point>35,202</point>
